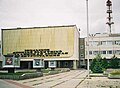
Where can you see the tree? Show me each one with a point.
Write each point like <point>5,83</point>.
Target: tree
<point>93,64</point>
<point>114,62</point>
<point>104,63</point>
<point>96,65</point>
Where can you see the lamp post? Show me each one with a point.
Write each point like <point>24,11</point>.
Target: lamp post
<point>88,64</point>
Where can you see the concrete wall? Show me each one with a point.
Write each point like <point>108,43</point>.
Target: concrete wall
<point>63,38</point>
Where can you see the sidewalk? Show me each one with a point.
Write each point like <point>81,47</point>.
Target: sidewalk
<point>100,82</point>
<point>69,79</point>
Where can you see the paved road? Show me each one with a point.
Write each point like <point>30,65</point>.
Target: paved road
<point>70,79</point>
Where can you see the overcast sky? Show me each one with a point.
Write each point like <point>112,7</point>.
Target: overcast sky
<point>39,13</point>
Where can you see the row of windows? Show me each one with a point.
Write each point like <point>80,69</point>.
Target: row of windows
<point>96,43</point>
<point>105,52</point>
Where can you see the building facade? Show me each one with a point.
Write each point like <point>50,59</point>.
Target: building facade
<point>0,56</point>
<point>52,43</point>
<point>104,44</point>
<point>82,52</point>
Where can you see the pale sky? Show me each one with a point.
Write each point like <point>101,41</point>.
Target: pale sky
<point>40,13</point>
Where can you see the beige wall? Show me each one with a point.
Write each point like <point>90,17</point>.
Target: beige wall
<point>53,38</point>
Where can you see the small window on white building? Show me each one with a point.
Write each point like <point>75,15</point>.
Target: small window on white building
<point>103,52</point>
<point>81,46</point>
<point>109,42</point>
<point>81,55</point>
<point>109,52</point>
<point>95,52</point>
<point>103,42</point>
<point>90,52</point>
<point>117,52</point>
<point>91,43</point>
<point>117,42</point>
<point>95,43</point>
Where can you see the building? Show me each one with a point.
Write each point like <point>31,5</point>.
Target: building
<point>82,52</point>
<point>105,44</point>
<point>0,56</point>
<point>52,43</point>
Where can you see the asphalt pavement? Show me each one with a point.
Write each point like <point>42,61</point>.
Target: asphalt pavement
<point>71,79</point>
<point>5,84</point>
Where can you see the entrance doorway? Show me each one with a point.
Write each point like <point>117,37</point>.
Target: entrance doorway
<point>46,64</point>
<point>26,64</point>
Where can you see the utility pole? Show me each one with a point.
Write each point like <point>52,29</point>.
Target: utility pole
<point>88,63</point>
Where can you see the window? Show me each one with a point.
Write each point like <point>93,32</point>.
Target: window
<point>109,42</point>
<point>117,52</point>
<point>81,47</point>
<point>90,43</point>
<point>103,52</point>
<point>90,52</point>
<point>103,42</point>
<point>117,42</point>
<point>95,52</point>
<point>95,43</point>
<point>81,55</point>
<point>109,52</point>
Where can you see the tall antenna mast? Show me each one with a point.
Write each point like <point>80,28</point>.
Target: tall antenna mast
<point>109,11</point>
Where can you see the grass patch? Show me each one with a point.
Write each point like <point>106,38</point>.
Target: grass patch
<point>26,74</point>
<point>11,73</point>
<point>45,70</point>
<point>17,73</point>
<point>20,75</point>
<point>115,72</point>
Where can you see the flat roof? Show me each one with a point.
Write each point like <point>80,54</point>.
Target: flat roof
<point>38,27</point>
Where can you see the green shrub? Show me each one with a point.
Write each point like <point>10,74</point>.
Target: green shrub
<point>96,65</point>
<point>19,76</point>
<point>104,63</point>
<point>114,62</point>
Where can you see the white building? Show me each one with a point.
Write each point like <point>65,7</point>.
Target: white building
<point>105,44</point>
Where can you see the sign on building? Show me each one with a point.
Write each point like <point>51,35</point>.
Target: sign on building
<point>11,61</point>
<point>38,63</point>
<point>52,64</point>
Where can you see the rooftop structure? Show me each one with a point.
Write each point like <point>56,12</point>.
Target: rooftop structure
<point>109,11</point>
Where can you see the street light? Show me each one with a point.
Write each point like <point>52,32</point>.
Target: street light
<point>88,64</point>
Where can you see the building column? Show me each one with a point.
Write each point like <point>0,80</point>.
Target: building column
<point>29,65</point>
<point>58,64</point>
<point>74,64</point>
